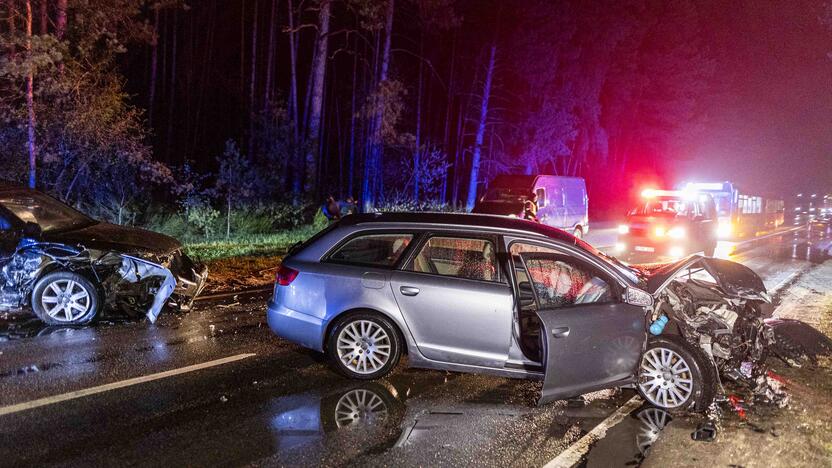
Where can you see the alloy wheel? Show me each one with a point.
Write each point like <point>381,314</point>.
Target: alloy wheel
<point>360,406</point>
<point>665,378</point>
<point>65,300</point>
<point>363,347</point>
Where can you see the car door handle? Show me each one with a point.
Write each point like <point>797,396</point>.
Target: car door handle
<point>409,290</point>
<point>560,332</point>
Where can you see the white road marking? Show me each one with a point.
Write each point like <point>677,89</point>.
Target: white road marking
<point>575,452</point>
<point>120,384</point>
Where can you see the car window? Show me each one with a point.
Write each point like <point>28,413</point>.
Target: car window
<point>541,197</point>
<point>45,211</point>
<point>460,257</point>
<point>558,280</point>
<point>373,249</point>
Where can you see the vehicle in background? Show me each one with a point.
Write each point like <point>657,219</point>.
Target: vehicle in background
<point>810,207</point>
<point>562,202</point>
<point>669,223</point>
<point>68,267</point>
<point>740,214</point>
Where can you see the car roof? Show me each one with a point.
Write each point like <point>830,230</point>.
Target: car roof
<point>460,219</point>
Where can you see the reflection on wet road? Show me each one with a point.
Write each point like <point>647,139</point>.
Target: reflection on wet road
<point>285,407</point>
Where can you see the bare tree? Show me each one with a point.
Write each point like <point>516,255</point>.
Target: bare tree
<point>30,99</point>
<point>317,75</point>
<point>477,155</point>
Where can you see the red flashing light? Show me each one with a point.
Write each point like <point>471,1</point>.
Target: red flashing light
<point>285,275</point>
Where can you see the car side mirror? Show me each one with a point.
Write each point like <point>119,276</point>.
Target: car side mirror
<point>32,230</point>
<point>637,297</point>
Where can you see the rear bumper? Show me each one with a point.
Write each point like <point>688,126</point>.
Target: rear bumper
<point>295,326</point>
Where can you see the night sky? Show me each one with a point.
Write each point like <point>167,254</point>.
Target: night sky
<point>770,122</point>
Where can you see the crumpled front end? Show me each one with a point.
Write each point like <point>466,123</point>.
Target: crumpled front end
<point>721,307</point>
<point>127,283</point>
<point>141,284</point>
<point>731,330</point>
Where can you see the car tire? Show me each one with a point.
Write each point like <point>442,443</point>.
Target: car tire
<point>65,298</point>
<point>669,385</point>
<point>358,343</point>
<point>578,232</point>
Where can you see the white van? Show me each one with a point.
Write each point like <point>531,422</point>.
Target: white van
<point>562,201</point>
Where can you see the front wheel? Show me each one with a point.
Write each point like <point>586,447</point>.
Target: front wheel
<point>65,298</point>
<point>364,346</point>
<point>675,375</point>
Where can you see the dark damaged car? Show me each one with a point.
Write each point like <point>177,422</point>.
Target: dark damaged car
<point>69,268</point>
<point>489,294</point>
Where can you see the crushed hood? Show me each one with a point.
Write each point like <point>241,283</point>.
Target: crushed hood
<point>734,278</point>
<point>106,236</point>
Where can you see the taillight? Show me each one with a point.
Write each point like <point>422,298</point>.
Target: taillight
<point>285,275</point>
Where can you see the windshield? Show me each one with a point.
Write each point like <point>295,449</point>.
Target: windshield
<point>666,207</point>
<point>45,211</point>
<point>504,194</point>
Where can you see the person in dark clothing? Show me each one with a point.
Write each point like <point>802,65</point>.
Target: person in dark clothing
<point>530,208</point>
<point>348,206</point>
<point>331,209</point>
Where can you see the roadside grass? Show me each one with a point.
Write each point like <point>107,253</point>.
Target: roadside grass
<point>246,262</point>
<point>250,245</point>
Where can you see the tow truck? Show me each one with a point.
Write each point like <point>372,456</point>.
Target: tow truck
<point>669,223</point>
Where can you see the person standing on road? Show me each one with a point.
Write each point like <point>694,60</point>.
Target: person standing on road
<point>530,208</point>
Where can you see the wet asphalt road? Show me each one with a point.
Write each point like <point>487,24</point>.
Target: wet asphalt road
<point>283,406</point>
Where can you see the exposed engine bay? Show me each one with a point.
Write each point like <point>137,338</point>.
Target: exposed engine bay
<point>730,329</point>
<point>132,285</point>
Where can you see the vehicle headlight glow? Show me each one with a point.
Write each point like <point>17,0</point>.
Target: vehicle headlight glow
<point>724,229</point>
<point>620,247</point>
<point>677,232</point>
<point>676,251</point>
<point>623,229</point>
<point>660,231</point>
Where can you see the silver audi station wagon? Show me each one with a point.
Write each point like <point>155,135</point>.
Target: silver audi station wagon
<point>504,296</point>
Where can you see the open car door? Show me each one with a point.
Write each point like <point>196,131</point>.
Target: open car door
<point>591,339</point>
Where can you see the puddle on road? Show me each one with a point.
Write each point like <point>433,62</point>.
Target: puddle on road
<point>412,415</point>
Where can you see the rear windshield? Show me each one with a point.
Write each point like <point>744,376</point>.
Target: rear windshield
<point>382,250</point>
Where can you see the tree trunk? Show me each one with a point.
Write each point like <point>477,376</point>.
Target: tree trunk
<point>30,100</point>
<point>10,5</point>
<point>447,134</point>
<point>317,75</point>
<point>172,90</point>
<point>351,170</point>
<point>242,58</point>
<point>60,19</point>
<point>475,159</point>
<point>154,59</point>
<point>417,152</point>
<point>376,154</point>
<point>252,110</point>
<point>228,216</point>
<point>44,18</point>
<point>267,94</point>
<point>297,165</point>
